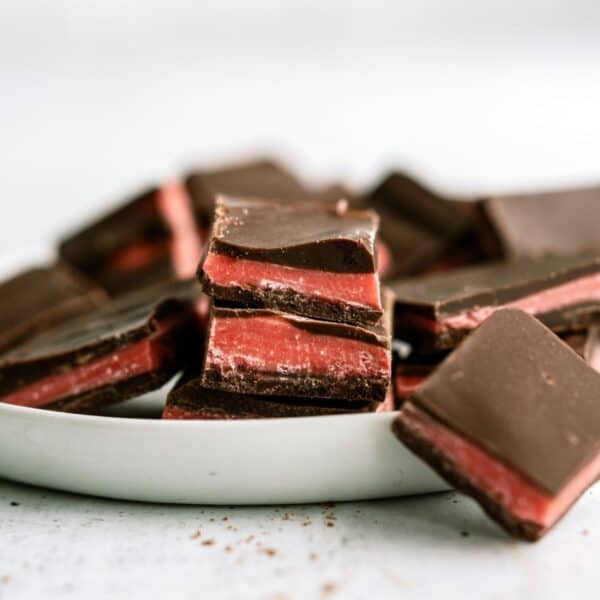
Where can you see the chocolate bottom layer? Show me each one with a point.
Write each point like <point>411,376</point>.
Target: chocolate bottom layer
<point>286,300</point>
<point>89,402</point>
<point>246,381</point>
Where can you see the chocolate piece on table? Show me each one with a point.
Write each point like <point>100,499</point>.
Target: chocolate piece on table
<point>191,400</point>
<point>42,297</point>
<point>436,312</point>
<point>256,179</point>
<point>303,258</point>
<point>534,225</point>
<point>422,231</point>
<point>261,351</point>
<point>129,347</point>
<point>150,239</point>
<point>511,418</point>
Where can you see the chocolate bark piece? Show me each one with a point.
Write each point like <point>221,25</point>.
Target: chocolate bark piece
<point>42,297</point>
<point>437,312</point>
<point>126,348</point>
<point>304,258</point>
<point>256,179</point>
<point>260,351</point>
<point>511,418</point>
<point>190,399</point>
<point>150,239</point>
<point>421,230</point>
<point>550,223</point>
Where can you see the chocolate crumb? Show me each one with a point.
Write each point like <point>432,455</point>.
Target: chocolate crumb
<point>5,579</point>
<point>209,542</point>
<point>15,504</point>
<point>249,539</point>
<point>195,535</point>
<point>328,588</point>
<point>465,533</point>
<point>328,505</point>
<point>229,549</point>
<point>306,523</point>
<point>225,519</point>
<point>269,551</point>
<point>330,523</point>
<point>313,556</point>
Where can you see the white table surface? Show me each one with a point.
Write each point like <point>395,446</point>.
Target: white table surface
<point>98,98</point>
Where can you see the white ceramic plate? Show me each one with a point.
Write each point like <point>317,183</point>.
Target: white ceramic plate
<point>316,459</point>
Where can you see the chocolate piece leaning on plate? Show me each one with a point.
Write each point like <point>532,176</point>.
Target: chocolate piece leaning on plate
<point>41,297</point>
<point>256,179</point>
<point>261,351</point>
<point>191,400</point>
<point>305,259</point>
<point>535,225</point>
<point>511,418</point>
<point>150,239</point>
<point>422,231</point>
<point>127,348</point>
<point>436,312</point>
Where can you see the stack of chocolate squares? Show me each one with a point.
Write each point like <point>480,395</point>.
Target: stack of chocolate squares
<point>298,324</point>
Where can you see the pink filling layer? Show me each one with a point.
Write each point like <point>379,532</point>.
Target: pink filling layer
<point>142,357</point>
<point>272,344</point>
<point>186,246</point>
<point>521,498</point>
<point>360,289</point>
<point>585,289</point>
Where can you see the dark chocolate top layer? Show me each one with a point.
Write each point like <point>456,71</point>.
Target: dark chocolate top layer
<point>257,179</point>
<point>533,225</point>
<point>378,334</point>
<point>97,333</point>
<point>193,396</point>
<point>519,392</point>
<point>492,284</point>
<point>41,297</point>
<point>301,235</point>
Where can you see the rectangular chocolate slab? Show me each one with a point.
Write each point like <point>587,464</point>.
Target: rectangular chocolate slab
<point>438,311</point>
<point>126,348</point>
<point>306,259</point>
<point>260,351</point>
<point>420,230</point>
<point>256,179</point>
<point>150,239</point>
<point>41,297</point>
<point>510,417</point>
<point>192,400</point>
<point>549,223</point>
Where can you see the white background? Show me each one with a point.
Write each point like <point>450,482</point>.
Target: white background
<point>98,98</point>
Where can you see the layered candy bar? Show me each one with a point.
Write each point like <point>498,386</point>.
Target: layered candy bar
<point>150,239</point>
<point>422,231</point>
<point>510,418</point>
<point>262,351</point>
<point>190,399</point>
<point>436,312</point>
<point>305,259</point>
<point>124,349</point>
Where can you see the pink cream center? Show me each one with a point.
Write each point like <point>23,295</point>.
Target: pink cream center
<point>360,289</point>
<point>186,246</point>
<point>585,289</point>
<point>142,357</point>
<point>522,498</point>
<point>272,344</point>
